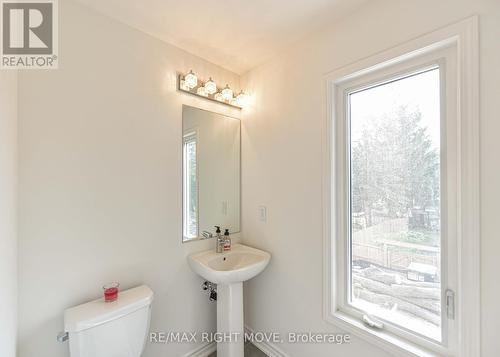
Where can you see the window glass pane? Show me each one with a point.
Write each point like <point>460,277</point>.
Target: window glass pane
<point>191,187</point>
<point>395,213</point>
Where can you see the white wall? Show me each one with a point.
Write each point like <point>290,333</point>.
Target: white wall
<point>282,163</point>
<point>100,180</point>
<point>8,209</point>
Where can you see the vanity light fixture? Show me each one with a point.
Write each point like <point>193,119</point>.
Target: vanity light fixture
<point>183,86</point>
<point>210,86</point>
<point>190,83</point>
<point>227,93</point>
<point>191,80</point>
<point>202,90</point>
<point>218,97</point>
<point>242,99</point>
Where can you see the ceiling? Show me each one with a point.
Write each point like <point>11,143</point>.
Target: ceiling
<point>235,34</point>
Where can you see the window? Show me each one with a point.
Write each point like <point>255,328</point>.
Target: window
<point>401,179</point>
<point>190,199</point>
<point>395,201</point>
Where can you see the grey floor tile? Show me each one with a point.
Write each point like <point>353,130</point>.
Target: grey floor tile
<point>250,351</point>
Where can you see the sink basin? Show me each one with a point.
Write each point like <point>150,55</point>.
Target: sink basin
<point>237,265</point>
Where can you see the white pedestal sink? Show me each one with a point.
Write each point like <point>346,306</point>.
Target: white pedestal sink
<point>229,270</point>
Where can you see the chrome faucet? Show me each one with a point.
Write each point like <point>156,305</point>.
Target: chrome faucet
<point>207,234</point>
<point>219,244</point>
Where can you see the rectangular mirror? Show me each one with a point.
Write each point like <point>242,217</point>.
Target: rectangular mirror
<point>210,173</point>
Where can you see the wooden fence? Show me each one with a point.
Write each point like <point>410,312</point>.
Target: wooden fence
<point>396,255</point>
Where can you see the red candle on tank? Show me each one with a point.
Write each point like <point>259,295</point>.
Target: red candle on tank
<point>110,292</point>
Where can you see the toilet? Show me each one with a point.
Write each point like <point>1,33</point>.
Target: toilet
<point>110,329</point>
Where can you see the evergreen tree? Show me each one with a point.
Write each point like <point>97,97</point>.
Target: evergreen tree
<point>394,166</point>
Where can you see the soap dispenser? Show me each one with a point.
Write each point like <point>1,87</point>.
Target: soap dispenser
<point>220,243</point>
<point>227,240</point>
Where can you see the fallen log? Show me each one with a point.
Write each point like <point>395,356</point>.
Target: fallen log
<point>385,277</point>
<point>422,284</point>
<point>428,304</point>
<point>408,291</point>
<point>393,303</point>
<point>378,274</point>
<point>401,291</point>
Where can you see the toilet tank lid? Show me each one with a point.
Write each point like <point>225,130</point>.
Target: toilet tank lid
<point>98,312</point>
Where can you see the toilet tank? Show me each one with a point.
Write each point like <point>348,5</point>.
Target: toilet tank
<point>110,329</point>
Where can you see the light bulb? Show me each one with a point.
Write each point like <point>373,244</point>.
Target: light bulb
<point>235,102</point>
<point>184,86</point>
<point>218,96</point>
<point>202,91</point>
<point>227,93</point>
<point>242,99</point>
<point>191,79</point>
<point>210,86</point>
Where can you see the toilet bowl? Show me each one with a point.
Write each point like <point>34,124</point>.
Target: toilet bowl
<point>110,329</point>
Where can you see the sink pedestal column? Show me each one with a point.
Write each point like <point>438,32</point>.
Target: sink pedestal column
<point>230,320</point>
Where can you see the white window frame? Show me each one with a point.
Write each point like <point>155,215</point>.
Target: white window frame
<point>188,137</point>
<point>455,49</point>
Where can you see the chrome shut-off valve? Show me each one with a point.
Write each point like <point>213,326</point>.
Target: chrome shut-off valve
<point>212,290</point>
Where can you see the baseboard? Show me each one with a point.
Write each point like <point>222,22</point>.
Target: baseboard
<point>268,348</point>
<point>202,351</point>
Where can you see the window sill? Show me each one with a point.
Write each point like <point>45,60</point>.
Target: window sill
<point>380,338</point>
